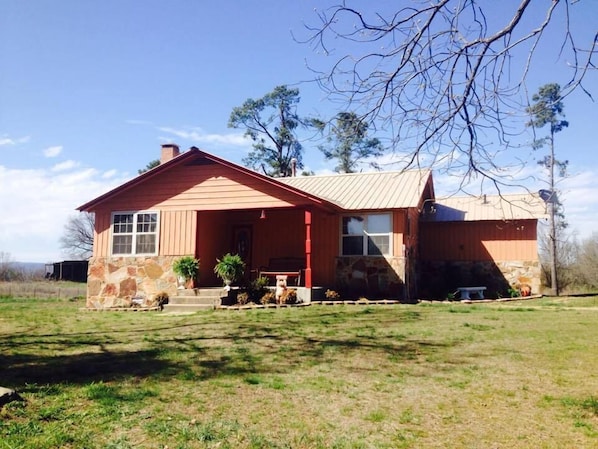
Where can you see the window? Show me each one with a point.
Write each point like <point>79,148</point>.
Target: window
<point>368,235</point>
<point>134,233</point>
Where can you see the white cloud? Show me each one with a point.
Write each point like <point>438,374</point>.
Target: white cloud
<point>36,203</point>
<point>66,165</point>
<point>53,151</point>
<point>109,174</point>
<point>5,140</point>
<point>198,136</point>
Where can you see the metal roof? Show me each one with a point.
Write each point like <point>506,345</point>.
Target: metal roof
<point>366,191</point>
<point>486,207</point>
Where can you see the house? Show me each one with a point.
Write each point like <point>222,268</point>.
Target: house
<point>361,234</point>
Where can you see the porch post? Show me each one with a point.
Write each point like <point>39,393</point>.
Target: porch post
<point>308,282</point>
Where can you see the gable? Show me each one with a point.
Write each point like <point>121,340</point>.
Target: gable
<point>198,181</point>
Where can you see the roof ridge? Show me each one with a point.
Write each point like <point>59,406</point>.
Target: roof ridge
<point>339,175</point>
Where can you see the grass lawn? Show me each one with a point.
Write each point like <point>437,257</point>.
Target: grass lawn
<point>511,375</point>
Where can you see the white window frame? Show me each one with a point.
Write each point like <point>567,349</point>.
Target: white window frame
<point>365,234</point>
<point>134,233</point>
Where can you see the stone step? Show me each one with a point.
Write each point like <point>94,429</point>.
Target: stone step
<point>186,308</point>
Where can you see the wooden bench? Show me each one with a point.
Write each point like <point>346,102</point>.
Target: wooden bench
<point>292,267</point>
<point>466,291</point>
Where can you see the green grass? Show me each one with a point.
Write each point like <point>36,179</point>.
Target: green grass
<point>514,375</point>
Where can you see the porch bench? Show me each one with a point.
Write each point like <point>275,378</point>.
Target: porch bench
<point>465,292</point>
<point>292,267</point>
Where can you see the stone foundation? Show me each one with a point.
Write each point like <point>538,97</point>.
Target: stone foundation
<point>117,281</point>
<point>439,278</point>
<point>371,277</point>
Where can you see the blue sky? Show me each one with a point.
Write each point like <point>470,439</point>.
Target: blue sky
<point>89,90</point>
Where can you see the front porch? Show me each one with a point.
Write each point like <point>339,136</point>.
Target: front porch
<point>258,235</point>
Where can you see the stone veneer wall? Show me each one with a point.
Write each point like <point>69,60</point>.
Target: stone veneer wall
<point>115,281</point>
<point>438,278</point>
<point>372,277</point>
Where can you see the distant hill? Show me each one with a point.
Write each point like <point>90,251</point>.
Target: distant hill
<point>30,266</point>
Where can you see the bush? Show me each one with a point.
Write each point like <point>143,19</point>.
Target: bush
<point>290,297</point>
<point>243,298</point>
<point>258,288</point>
<point>268,298</point>
<point>160,299</point>
<point>332,295</point>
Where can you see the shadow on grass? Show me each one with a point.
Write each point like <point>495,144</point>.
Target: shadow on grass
<point>195,353</point>
<point>18,370</point>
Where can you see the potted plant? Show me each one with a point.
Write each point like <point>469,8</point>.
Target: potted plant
<point>186,269</point>
<point>230,268</point>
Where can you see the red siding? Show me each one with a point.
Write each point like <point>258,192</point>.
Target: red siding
<point>325,247</point>
<point>101,237</point>
<point>182,191</point>
<point>177,233</point>
<point>479,241</point>
<point>202,187</point>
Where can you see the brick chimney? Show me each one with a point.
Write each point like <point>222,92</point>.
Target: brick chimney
<point>169,151</point>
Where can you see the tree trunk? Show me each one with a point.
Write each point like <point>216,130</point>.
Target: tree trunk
<point>553,254</point>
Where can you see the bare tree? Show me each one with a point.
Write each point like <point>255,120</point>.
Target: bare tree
<point>8,269</point>
<point>77,237</point>
<point>441,78</point>
<point>586,273</point>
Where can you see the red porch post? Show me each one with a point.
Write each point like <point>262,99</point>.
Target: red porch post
<point>308,282</point>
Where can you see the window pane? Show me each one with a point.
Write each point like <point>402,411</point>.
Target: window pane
<point>122,244</point>
<point>378,245</point>
<point>146,222</point>
<point>145,244</point>
<point>353,246</point>
<point>353,225</point>
<point>123,223</point>
<point>379,224</point>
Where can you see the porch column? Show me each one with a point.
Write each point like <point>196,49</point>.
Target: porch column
<point>308,282</point>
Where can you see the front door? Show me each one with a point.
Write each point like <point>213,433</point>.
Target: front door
<point>242,241</point>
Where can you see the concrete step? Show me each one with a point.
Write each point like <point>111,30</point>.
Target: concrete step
<point>211,291</point>
<point>194,300</point>
<point>186,308</point>
<point>211,300</point>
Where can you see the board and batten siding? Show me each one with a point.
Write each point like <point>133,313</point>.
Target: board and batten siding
<point>177,232</point>
<point>399,228</point>
<point>479,241</point>
<point>325,247</point>
<point>101,235</point>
